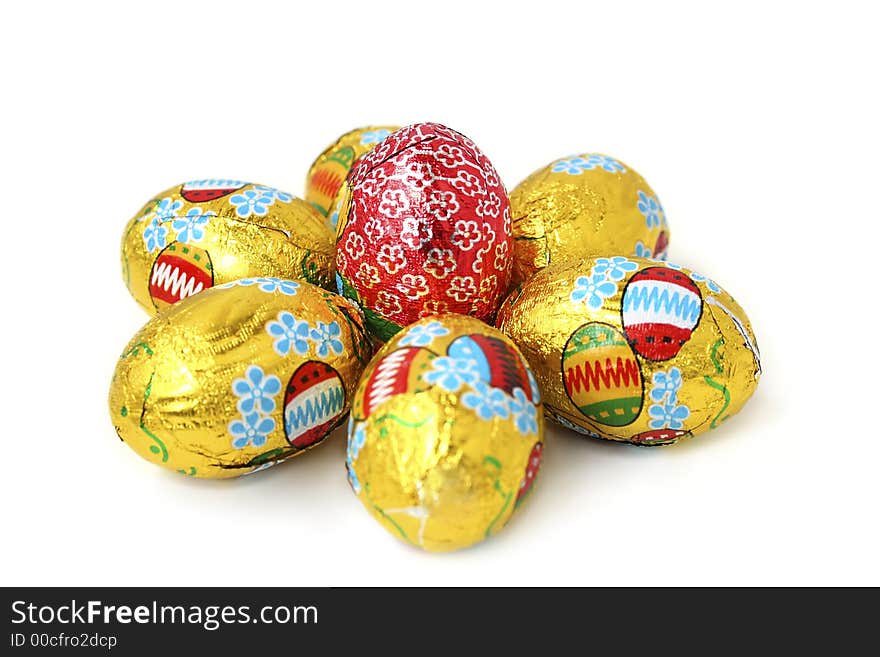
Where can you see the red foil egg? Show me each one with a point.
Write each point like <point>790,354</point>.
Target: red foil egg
<point>425,230</point>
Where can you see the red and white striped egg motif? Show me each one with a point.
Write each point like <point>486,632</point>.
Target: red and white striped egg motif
<point>427,230</point>
<point>397,373</point>
<point>313,403</point>
<point>660,309</point>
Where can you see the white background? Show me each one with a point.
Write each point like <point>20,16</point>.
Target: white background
<point>756,125</point>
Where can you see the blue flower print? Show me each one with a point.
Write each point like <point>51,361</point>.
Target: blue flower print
<point>642,251</point>
<point>357,436</point>
<point>452,373</point>
<point>650,208</point>
<point>326,339</point>
<point>290,333</point>
<point>274,194</point>
<point>609,164</point>
<point>487,401</point>
<point>666,383</point>
<point>191,228</point>
<point>712,285</point>
<point>251,429</point>
<point>166,210</point>
<point>251,201</point>
<point>269,284</point>
<point>422,336</point>
<point>594,289</point>
<point>374,136</point>
<point>573,166</point>
<point>339,284</point>
<point>352,477</point>
<point>668,415</point>
<point>614,268</point>
<point>524,413</point>
<point>334,216</point>
<point>255,390</point>
<point>244,282</point>
<point>154,235</point>
<point>577,165</point>
<point>533,384</point>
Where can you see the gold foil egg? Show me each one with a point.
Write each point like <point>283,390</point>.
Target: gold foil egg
<point>584,205</point>
<point>238,377</point>
<point>209,232</point>
<point>446,433</point>
<point>330,168</point>
<point>633,350</point>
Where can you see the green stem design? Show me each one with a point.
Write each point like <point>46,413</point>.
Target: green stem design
<point>719,369</point>
<point>191,473</point>
<point>411,425</point>
<point>396,526</point>
<point>159,446</point>
<point>491,460</point>
<point>503,508</point>
<point>260,459</point>
<point>135,351</point>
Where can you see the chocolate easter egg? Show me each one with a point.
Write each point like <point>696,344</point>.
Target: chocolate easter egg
<point>330,168</point>
<point>446,433</point>
<point>583,205</point>
<point>633,350</point>
<point>240,376</point>
<point>425,228</point>
<point>209,232</point>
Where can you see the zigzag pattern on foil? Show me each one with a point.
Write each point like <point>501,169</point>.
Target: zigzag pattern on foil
<point>384,379</point>
<point>645,296</point>
<point>214,182</point>
<point>170,278</point>
<point>326,182</point>
<point>315,410</point>
<point>594,376</point>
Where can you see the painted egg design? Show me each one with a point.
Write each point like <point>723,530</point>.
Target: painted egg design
<point>424,228</point>
<point>660,309</point>
<point>202,191</point>
<point>313,404</point>
<point>531,471</point>
<point>398,372</point>
<point>179,271</point>
<point>601,375</point>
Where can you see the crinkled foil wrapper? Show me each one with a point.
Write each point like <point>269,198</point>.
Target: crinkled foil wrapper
<point>446,433</point>
<point>580,206</point>
<point>329,170</point>
<point>208,232</point>
<point>424,229</point>
<point>239,377</point>
<point>633,350</point>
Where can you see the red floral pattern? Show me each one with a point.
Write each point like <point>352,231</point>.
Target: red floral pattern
<point>430,215</point>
